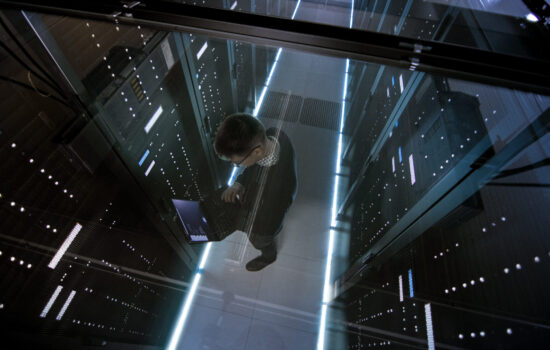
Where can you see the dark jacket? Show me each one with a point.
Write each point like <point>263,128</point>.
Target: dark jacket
<point>269,191</point>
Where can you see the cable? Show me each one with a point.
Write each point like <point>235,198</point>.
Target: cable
<point>29,57</point>
<point>14,56</point>
<point>39,91</point>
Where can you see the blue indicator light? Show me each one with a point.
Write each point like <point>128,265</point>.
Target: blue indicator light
<point>400,156</point>
<point>411,289</point>
<point>143,157</point>
<point>392,81</point>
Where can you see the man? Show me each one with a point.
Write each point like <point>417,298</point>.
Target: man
<point>267,187</point>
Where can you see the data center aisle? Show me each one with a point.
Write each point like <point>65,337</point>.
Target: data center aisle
<point>278,307</point>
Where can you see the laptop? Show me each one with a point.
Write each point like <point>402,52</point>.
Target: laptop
<point>206,221</point>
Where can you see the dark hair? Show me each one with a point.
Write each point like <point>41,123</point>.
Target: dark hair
<point>238,134</point>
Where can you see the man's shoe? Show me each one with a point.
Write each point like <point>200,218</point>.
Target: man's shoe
<point>260,262</point>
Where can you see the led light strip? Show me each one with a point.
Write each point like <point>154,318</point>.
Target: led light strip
<point>51,301</point>
<point>150,168</point>
<point>190,296</point>
<point>400,279</point>
<point>429,326</point>
<point>143,157</point>
<point>61,251</point>
<point>411,287</point>
<point>411,168</point>
<point>201,51</point>
<point>65,306</point>
<point>153,120</point>
<point>327,288</point>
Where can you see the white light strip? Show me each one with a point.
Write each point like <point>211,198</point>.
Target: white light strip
<point>233,173</point>
<point>51,301</point>
<point>401,82</point>
<point>264,90</point>
<point>201,51</point>
<point>411,168</point>
<point>327,288</point>
<point>65,306</point>
<point>174,340</point>
<point>429,327</point>
<point>234,5</point>
<point>205,255</point>
<point>64,246</point>
<point>296,9</point>
<point>149,168</point>
<point>153,120</point>
<point>393,164</point>
<point>321,338</point>
<point>401,288</point>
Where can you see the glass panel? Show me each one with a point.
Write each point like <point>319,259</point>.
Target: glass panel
<point>510,27</point>
<point>402,176</point>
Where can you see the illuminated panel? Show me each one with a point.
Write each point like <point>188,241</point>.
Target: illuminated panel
<point>429,326</point>
<point>400,156</point>
<point>143,157</point>
<point>61,251</point>
<point>411,288</point>
<point>201,51</point>
<point>153,120</point>
<point>51,301</point>
<point>401,82</point>
<point>65,306</point>
<point>401,288</point>
<point>234,5</point>
<point>393,164</point>
<point>149,168</point>
<point>411,168</point>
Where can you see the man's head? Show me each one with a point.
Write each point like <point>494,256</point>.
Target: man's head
<point>241,139</point>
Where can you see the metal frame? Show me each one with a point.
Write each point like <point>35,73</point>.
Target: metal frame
<point>429,56</point>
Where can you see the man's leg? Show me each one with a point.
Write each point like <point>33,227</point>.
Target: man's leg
<point>267,246</point>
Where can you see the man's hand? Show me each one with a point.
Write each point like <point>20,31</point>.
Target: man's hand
<point>233,193</point>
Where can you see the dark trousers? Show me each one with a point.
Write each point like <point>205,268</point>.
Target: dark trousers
<point>265,242</point>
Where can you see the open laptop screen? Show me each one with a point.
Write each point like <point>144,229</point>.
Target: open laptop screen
<point>192,219</point>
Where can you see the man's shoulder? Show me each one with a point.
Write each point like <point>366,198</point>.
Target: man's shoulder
<point>278,133</point>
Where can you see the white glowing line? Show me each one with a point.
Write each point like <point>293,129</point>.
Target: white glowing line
<point>429,326</point>
<point>327,288</point>
<point>296,9</point>
<point>184,312</point>
<point>153,120</point>
<point>205,255</point>
<point>393,164</point>
<point>401,82</point>
<point>51,301</point>
<point>388,92</point>
<point>65,306</point>
<point>64,246</point>
<point>149,168</point>
<point>411,168</point>
<point>401,288</point>
<point>260,101</point>
<point>234,5</point>
<point>201,51</point>
<point>321,339</point>
<point>230,182</point>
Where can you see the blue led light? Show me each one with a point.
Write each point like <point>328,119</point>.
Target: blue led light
<point>392,81</point>
<point>400,155</point>
<point>411,288</point>
<point>143,157</point>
